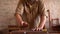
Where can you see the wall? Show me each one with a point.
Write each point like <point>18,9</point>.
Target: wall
<point>7,10</point>
<point>53,6</point>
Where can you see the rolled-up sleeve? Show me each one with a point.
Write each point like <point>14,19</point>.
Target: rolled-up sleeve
<point>20,8</point>
<point>41,8</point>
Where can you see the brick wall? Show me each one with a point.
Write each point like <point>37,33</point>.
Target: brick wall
<point>54,7</point>
<point>7,10</point>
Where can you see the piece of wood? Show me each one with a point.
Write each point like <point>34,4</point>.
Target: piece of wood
<point>28,32</point>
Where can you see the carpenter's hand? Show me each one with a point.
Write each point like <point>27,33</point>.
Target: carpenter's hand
<point>24,24</point>
<point>37,29</point>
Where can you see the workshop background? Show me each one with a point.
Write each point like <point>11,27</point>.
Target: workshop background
<point>8,7</point>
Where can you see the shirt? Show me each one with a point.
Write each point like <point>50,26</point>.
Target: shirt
<point>31,12</point>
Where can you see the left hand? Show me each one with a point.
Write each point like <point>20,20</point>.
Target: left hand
<point>37,29</point>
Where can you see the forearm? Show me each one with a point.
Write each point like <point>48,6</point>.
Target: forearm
<point>42,22</point>
<point>18,18</point>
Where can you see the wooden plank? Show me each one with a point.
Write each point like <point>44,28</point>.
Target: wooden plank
<point>28,32</point>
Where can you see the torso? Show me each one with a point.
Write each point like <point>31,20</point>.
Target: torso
<point>30,13</point>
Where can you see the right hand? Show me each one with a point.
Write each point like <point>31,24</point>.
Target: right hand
<point>24,24</point>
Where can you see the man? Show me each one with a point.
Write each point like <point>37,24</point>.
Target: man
<point>31,13</point>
